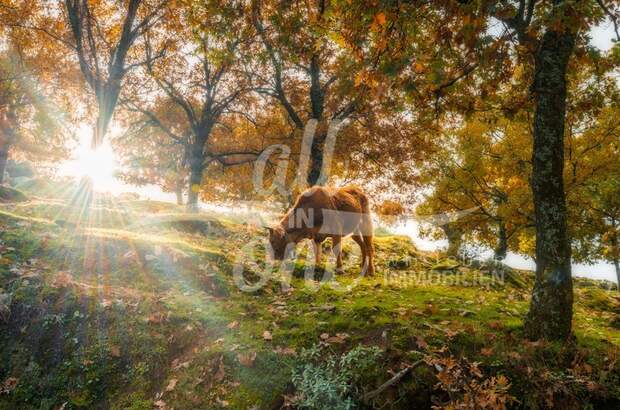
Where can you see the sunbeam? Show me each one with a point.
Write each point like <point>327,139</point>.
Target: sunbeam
<point>98,165</point>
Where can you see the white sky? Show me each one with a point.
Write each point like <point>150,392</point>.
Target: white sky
<point>602,35</point>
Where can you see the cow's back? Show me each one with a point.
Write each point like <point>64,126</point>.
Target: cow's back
<point>330,210</point>
<point>346,199</point>
<point>351,199</point>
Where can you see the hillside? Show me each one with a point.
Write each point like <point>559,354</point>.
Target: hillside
<point>133,304</point>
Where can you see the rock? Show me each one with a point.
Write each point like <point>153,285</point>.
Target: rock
<point>446,264</point>
<point>401,263</point>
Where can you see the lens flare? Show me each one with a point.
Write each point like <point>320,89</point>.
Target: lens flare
<point>97,165</point>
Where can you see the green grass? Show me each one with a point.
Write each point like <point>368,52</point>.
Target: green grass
<point>105,312</point>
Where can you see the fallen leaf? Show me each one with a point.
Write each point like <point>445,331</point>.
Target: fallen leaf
<point>221,372</point>
<point>233,325</point>
<point>267,335</point>
<point>8,385</point>
<point>324,336</point>
<point>473,367</point>
<point>156,318</point>
<point>496,325</point>
<point>288,351</point>
<point>430,309</point>
<point>246,359</point>
<point>421,342</point>
<point>171,384</point>
<point>62,279</point>
<point>451,333</point>
<point>334,339</point>
<point>115,351</point>
<point>486,351</point>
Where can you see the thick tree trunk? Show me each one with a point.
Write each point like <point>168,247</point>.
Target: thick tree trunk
<point>616,255</point>
<point>551,307</point>
<point>454,236</point>
<point>4,158</point>
<point>107,103</point>
<point>195,180</point>
<point>502,241</point>
<point>617,266</point>
<point>316,160</point>
<point>179,193</point>
<point>196,167</point>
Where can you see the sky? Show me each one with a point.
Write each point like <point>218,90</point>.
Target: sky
<point>602,271</point>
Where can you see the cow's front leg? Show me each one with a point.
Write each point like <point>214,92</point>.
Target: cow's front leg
<point>337,249</point>
<point>317,247</point>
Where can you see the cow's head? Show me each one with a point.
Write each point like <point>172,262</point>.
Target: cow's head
<point>282,243</point>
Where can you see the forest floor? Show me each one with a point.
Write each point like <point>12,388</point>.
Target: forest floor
<point>134,305</point>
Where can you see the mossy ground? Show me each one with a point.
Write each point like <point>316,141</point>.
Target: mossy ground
<point>101,310</point>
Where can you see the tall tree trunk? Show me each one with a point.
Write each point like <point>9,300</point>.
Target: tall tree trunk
<point>454,236</point>
<point>617,266</point>
<point>502,241</point>
<point>195,180</point>
<point>179,193</point>
<point>8,136</point>
<point>616,255</point>
<point>196,163</point>
<point>4,158</point>
<point>316,160</point>
<point>551,307</point>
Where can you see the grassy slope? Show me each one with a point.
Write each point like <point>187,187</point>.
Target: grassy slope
<point>97,312</point>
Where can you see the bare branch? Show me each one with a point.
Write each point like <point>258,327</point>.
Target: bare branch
<point>613,16</point>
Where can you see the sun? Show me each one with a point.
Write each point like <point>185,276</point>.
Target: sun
<point>98,164</point>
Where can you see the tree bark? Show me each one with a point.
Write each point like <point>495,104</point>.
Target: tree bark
<point>179,193</point>
<point>4,158</point>
<point>454,236</point>
<point>551,307</point>
<point>502,242</point>
<point>316,160</point>
<point>195,180</point>
<point>617,266</point>
<point>615,255</point>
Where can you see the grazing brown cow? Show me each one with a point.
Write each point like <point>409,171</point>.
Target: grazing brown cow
<point>321,213</point>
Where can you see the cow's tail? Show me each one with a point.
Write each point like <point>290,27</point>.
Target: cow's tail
<point>364,203</point>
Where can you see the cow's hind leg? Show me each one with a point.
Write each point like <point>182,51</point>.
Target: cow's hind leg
<point>360,241</point>
<point>367,233</point>
<point>317,247</point>
<point>370,252</point>
<point>337,250</point>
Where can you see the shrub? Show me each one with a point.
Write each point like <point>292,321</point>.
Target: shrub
<point>325,380</point>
